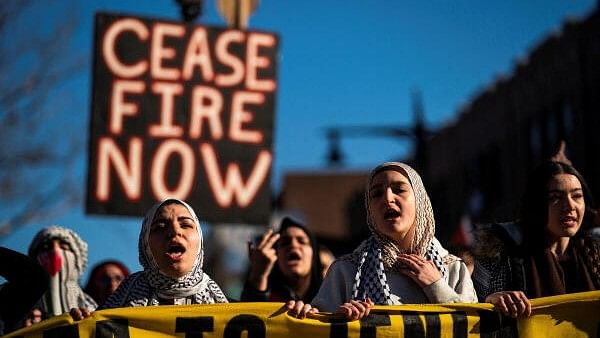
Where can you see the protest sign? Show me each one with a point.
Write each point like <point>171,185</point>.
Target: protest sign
<point>183,111</point>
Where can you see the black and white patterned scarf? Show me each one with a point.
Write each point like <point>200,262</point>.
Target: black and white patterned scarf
<point>151,287</point>
<point>379,253</point>
<point>65,268</point>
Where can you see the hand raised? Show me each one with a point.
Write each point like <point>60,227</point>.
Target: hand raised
<point>262,259</point>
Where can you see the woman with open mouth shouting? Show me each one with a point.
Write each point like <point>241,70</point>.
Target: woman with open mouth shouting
<point>402,262</point>
<point>284,265</point>
<point>171,252</point>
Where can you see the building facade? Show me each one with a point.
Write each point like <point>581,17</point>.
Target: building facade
<point>478,165</point>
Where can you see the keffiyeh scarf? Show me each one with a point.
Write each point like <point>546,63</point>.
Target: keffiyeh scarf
<point>65,268</point>
<point>379,253</point>
<point>151,287</point>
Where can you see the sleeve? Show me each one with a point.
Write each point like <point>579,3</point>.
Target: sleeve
<point>27,282</point>
<point>458,289</point>
<point>336,288</point>
<point>87,302</point>
<point>482,280</point>
<point>250,294</point>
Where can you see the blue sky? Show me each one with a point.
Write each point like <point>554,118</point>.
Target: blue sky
<point>341,63</point>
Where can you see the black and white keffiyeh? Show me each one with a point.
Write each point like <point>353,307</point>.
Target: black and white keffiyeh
<point>379,253</point>
<point>151,287</point>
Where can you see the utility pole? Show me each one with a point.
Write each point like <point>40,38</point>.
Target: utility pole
<point>417,132</point>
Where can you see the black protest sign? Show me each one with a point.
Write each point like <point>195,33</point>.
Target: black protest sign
<point>182,111</point>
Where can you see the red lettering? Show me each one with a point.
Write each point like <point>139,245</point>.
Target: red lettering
<point>254,61</point>
<point>159,52</point>
<point>198,54</point>
<point>119,107</point>
<point>207,103</point>
<point>239,116</point>
<point>108,47</point>
<point>159,164</point>
<point>128,171</point>
<point>222,52</point>
<point>233,186</point>
<point>166,128</point>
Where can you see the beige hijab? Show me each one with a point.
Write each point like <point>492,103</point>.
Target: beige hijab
<point>423,227</point>
<point>378,255</point>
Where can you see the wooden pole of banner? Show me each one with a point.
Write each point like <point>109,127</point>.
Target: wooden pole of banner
<point>237,12</point>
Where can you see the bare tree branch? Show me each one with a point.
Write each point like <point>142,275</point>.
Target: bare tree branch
<point>38,156</point>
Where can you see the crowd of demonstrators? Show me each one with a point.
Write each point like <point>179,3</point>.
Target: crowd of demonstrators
<point>401,262</point>
<point>104,280</point>
<point>26,283</point>
<point>556,254</point>
<point>549,250</point>
<point>284,265</point>
<point>63,255</point>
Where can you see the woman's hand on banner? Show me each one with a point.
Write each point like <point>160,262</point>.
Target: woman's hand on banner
<point>510,303</point>
<point>79,313</point>
<point>355,309</point>
<point>298,309</point>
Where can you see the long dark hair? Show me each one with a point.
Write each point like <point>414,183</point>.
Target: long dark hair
<point>276,277</point>
<point>93,288</point>
<point>534,215</point>
<point>534,207</point>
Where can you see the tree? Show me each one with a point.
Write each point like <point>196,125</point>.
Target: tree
<point>38,152</point>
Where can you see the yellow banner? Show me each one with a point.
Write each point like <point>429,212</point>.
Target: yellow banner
<point>574,315</point>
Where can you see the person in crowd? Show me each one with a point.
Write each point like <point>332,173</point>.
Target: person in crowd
<point>104,280</point>
<point>284,265</point>
<point>402,262</point>
<point>554,255</point>
<point>171,251</point>
<point>63,254</point>
<point>326,257</point>
<point>25,284</point>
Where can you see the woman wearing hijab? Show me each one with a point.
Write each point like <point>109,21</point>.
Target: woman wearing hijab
<point>556,255</point>
<point>104,280</point>
<point>402,262</point>
<point>63,254</point>
<point>284,265</point>
<point>171,252</point>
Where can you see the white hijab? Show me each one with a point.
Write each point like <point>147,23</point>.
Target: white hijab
<point>152,287</point>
